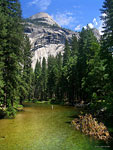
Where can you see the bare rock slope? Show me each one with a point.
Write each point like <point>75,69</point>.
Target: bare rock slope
<point>46,36</point>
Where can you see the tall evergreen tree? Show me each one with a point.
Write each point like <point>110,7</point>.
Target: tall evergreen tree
<point>87,49</point>
<point>73,76</point>
<point>25,73</point>
<point>66,54</point>
<point>107,39</point>
<point>37,72</point>
<point>12,51</point>
<point>51,76</point>
<point>59,62</point>
<point>74,46</point>
<point>3,33</point>
<point>44,79</point>
<point>107,49</point>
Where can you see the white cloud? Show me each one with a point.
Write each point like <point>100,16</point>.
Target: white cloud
<point>77,28</point>
<point>100,27</point>
<point>102,24</point>
<point>95,21</point>
<point>91,25</point>
<point>104,15</point>
<point>41,4</point>
<point>85,27</point>
<point>64,19</point>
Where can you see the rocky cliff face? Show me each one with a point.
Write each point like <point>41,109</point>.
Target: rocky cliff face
<point>46,36</point>
<point>96,34</point>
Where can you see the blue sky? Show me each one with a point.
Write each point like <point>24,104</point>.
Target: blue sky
<point>71,14</point>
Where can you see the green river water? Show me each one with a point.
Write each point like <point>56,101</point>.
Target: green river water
<point>39,127</point>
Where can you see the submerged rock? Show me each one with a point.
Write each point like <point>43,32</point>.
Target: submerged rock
<point>90,126</point>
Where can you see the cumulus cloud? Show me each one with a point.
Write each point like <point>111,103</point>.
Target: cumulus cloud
<point>100,27</point>
<point>41,4</point>
<point>77,28</point>
<point>95,21</point>
<point>102,24</point>
<point>104,15</point>
<point>64,19</point>
<point>84,27</point>
<point>91,25</point>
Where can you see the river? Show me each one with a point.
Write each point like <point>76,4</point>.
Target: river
<point>44,127</point>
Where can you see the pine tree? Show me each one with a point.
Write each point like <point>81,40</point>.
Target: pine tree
<point>12,51</point>
<point>107,39</point>
<point>37,72</point>
<point>107,50</point>
<point>72,69</point>
<point>66,54</point>
<point>54,77</point>
<point>25,74</point>
<point>87,48</point>
<point>59,62</point>
<point>74,46</point>
<point>3,33</point>
<point>51,76</point>
<point>32,85</point>
<point>107,17</point>
<point>44,80</point>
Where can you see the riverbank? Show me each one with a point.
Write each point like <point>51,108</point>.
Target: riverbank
<point>10,112</point>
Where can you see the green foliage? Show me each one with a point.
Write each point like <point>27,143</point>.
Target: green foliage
<point>44,79</point>
<point>106,52</point>
<point>37,74</point>
<point>74,45</point>
<point>25,74</point>
<point>87,64</point>
<point>15,56</point>
<point>10,112</point>
<point>11,37</point>
<point>66,54</point>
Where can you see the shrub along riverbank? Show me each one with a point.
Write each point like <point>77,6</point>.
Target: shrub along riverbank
<point>10,112</point>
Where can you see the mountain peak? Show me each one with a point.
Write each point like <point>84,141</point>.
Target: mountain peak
<point>40,15</point>
<point>44,18</point>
